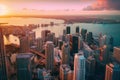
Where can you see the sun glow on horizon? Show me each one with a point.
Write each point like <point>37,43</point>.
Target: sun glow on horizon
<point>3,10</point>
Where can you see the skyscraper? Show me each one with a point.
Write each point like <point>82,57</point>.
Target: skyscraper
<point>50,37</point>
<point>49,54</point>
<point>24,44</point>
<point>106,54</point>
<point>40,74</point>
<point>3,71</point>
<point>60,43</point>
<point>65,53</point>
<point>44,34</point>
<point>24,66</point>
<point>74,44</point>
<point>87,51</point>
<point>77,29</point>
<point>109,72</point>
<point>79,66</point>
<point>68,36</point>
<point>65,72</point>
<point>83,33</point>
<point>89,38</point>
<point>64,32</point>
<point>68,30</point>
<point>112,72</point>
<point>116,72</point>
<point>116,54</point>
<point>90,66</point>
<point>106,40</point>
<point>63,37</point>
<point>39,44</point>
<point>80,43</point>
<point>31,37</point>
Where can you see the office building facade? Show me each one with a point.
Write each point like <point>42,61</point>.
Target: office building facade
<point>49,54</point>
<point>79,66</point>
<point>116,54</point>
<point>65,53</point>
<point>24,66</point>
<point>65,72</point>
<point>3,68</point>
<point>68,30</point>
<point>24,44</point>
<point>112,72</point>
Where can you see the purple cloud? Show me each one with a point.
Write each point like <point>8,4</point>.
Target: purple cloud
<point>104,5</point>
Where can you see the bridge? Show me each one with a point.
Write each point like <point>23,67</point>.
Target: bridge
<point>41,61</point>
<point>37,53</point>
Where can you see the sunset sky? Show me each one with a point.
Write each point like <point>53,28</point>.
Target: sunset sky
<point>59,6</point>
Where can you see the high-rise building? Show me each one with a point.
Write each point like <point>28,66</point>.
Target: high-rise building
<point>87,51</point>
<point>79,66</point>
<point>3,70</point>
<point>116,54</point>
<point>43,74</point>
<point>80,43</point>
<point>39,44</point>
<point>68,30</point>
<point>116,72</point>
<point>106,40</point>
<point>60,43</point>
<point>65,53</point>
<point>90,66</point>
<point>64,32</point>
<point>31,37</point>
<point>89,38</point>
<point>106,54</point>
<point>56,41</point>
<point>24,44</point>
<point>65,72</point>
<point>77,29</point>
<point>101,40</point>
<point>74,44</point>
<point>112,72</point>
<point>68,37</point>
<point>47,75</point>
<point>49,54</point>
<point>83,33</point>
<point>63,37</point>
<point>109,72</point>
<point>24,66</point>
<point>50,37</point>
<point>40,74</point>
<point>44,34</point>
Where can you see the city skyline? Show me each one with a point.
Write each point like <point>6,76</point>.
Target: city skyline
<point>76,54</point>
<point>59,40</point>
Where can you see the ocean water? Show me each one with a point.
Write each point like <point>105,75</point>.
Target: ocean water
<point>109,29</point>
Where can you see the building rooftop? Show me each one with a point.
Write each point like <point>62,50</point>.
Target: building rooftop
<point>49,42</point>
<point>114,65</point>
<point>117,48</point>
<point>66,67</point>
<point>80,55</point>
<point>24,55</point>
<point>91,58</point>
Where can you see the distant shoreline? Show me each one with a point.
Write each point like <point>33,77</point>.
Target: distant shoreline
<point>71,18</point>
